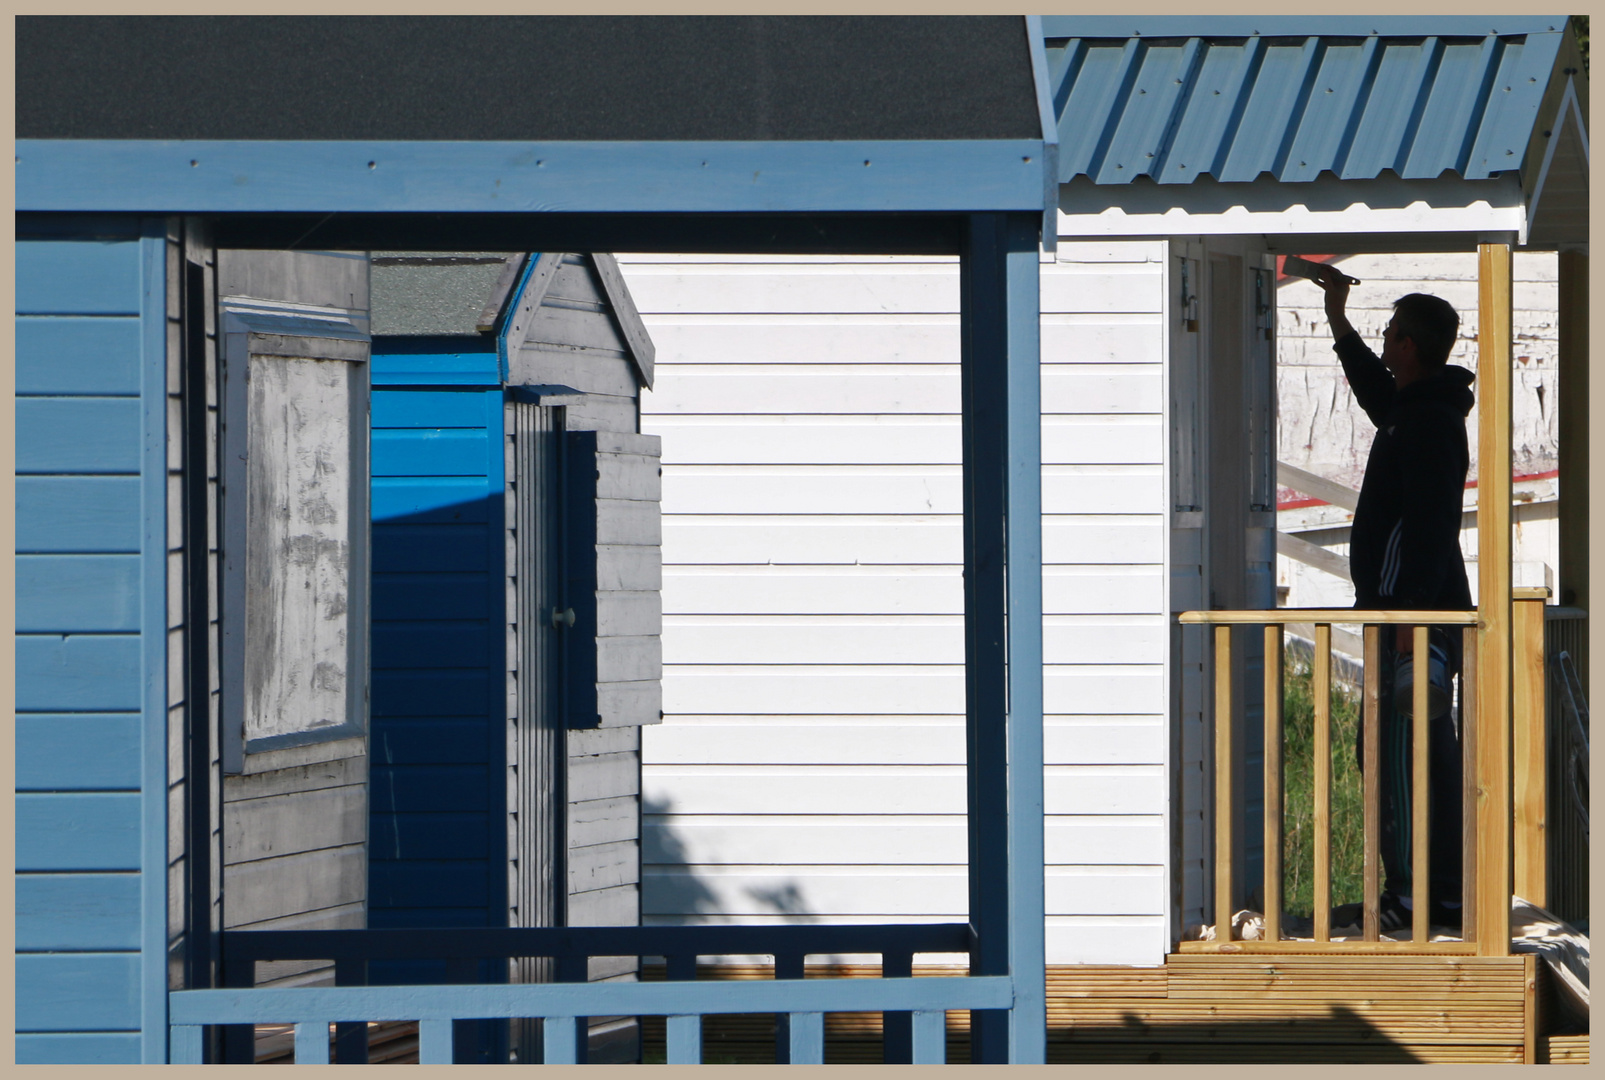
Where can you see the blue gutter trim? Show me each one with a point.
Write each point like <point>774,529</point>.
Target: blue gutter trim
<point>311,1004</point>
<point>514,297</point>
<point>153,640</point>
<point>1050,132</point>
<point>214,177</point>
<point>1228,26</point>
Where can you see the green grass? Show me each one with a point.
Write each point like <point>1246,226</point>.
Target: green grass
<point>1298,780</point>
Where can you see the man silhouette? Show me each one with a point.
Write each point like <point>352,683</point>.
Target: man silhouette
<point>1404,554</point>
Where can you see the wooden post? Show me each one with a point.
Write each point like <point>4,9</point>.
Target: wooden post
<point>1273,782</point>
<point>1223,784</point>
<point>1371,778</point>
<point>1528,744</point>
<point>1493,598</point>
<point>1321,690</point>
<point>1420,789</point>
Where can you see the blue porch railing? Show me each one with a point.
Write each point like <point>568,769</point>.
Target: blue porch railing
<point>914,1009</point>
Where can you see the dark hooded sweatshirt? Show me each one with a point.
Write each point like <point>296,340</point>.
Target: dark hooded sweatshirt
<point>1404,548</point>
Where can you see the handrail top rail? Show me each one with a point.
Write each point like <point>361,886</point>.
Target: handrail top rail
<point>1272,616</point>
<point>482,942</point>
<point>311,1004</point>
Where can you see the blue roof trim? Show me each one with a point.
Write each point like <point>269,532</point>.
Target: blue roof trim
<point>514,177</point>
<point>1223,26</point>
<point>1171,107</point>
<point>1050,130</point>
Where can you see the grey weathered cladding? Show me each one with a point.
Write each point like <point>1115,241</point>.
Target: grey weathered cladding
<point>603,776</point>
<point>577,326</point>
<point>603,412</point>
<point>603,821</point>
<point>617,906</point>
<point>642,352</point>
<point>626,522</point>
<point>614,563</point>
<point>295,833</point>
<point>327,279</point>
<point>627,476</point>
<point>628,568</point>
<point>631,614</point>
<point>583,370</point>
<point>628,659</point>
<point>603,866</point>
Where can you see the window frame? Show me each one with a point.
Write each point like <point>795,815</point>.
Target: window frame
<point>258,328</point>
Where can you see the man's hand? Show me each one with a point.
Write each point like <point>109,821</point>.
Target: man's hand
<point>1336,287</point>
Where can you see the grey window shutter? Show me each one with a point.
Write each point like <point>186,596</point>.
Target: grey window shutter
<point>613,577</point>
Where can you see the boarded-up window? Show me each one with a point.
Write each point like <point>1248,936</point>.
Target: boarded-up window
<point>296,532</point>
<point>298,546</point>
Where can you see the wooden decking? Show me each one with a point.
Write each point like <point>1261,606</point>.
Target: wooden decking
<point>1200,1008</point>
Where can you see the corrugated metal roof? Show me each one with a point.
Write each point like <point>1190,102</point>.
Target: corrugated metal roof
<point>1338,97</point>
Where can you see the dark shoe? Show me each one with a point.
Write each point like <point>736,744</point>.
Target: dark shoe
<point>1393,916</point>
<point>1446,917</point>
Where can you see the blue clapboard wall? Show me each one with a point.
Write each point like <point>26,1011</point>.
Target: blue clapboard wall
<point>437,846</point>
<point>90,642</point>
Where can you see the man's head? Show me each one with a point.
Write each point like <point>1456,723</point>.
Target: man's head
<point>1420,335</point>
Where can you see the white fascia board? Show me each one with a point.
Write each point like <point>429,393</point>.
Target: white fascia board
<point>1324,206</point>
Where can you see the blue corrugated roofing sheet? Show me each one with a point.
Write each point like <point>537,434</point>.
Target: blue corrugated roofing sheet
<point>1295,97</point>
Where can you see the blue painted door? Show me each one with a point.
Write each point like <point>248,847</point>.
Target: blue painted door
<point>437,788</point>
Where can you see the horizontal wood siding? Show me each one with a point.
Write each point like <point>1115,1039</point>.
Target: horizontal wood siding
<point>438,695</point>
<point>84,641</point>
<point>810,763</point>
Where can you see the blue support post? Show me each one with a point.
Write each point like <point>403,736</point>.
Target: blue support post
<point>185,1042</point>
<point>1001,388</point>
<point>683,1040</point>
<point>153,642</point>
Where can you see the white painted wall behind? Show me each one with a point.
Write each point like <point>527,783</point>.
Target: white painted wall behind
<point>810,763</point>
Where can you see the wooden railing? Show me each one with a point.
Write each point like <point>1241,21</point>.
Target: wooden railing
<point>914,1010</point>
<point>1487,792</point>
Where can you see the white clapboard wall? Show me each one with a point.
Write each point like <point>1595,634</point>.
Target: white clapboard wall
<point>810,762</point>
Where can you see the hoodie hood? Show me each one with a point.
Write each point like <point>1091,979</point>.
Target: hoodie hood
<point>1451,387</point>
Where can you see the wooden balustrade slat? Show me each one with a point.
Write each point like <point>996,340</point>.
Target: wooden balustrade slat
<point>1273,783</point>
<point>1528,745</point>
<point>1420,789</point>
<point>1223,784</point>
<point>1321,690</point>
<point>1371,770</point>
